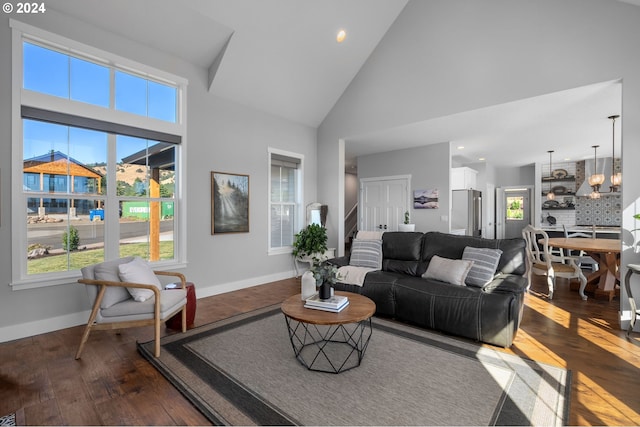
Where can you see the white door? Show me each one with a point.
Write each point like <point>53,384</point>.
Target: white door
<point>384,202</point>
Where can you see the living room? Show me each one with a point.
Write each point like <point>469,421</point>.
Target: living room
<point>434,58</point>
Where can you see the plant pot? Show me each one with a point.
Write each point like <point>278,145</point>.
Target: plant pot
<point>406,227</point>
<point>324,291</point>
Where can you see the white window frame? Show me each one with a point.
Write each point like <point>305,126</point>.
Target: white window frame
<point>21,97</point>
<point>299,218</point>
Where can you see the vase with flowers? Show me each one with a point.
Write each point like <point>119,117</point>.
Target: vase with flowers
<point>326,276</point>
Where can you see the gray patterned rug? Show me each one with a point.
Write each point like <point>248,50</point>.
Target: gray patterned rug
<point>242,371</point>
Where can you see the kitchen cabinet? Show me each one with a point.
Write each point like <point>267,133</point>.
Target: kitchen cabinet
<point>463,178</point>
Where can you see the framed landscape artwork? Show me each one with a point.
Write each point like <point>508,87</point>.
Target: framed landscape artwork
<point>426,199</point>
<point>229,203</point>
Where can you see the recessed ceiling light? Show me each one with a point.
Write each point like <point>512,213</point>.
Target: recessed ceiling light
<point>482,159</point>
<point>342,34</point>
<point>460,147</point>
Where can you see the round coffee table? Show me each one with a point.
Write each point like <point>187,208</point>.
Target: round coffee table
<point>329,342</point>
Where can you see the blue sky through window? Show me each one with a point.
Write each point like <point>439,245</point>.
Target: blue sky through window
<point>54,73</point>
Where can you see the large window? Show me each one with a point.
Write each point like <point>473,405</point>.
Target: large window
<point>98,159</point>
<point>285,189</point>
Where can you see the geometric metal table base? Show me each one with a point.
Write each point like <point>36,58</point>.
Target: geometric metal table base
<point>329,348</point>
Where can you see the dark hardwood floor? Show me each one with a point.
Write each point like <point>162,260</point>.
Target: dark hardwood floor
<point>113,385</point>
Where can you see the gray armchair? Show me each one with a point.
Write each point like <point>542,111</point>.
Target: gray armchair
<point>115,308</point>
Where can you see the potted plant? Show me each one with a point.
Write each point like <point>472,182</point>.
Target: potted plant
<point>326,276</point>
<point>406,226</point>
<point>310,242</point>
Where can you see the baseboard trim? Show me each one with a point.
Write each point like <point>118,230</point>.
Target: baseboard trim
<point>43,326</point>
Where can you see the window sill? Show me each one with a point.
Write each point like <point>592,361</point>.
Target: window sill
<point>71,277</point>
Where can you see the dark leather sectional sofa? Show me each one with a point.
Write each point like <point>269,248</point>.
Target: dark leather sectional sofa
<point>490,314</point>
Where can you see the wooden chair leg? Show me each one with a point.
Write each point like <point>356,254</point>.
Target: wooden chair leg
<point>92,318</point>
<point>157,337</point>
<point>184,318</point>
<point>83,341</point>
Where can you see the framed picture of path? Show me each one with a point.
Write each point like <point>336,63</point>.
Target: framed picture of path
<point>229,203</point>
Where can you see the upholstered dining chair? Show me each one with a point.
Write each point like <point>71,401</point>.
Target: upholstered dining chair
<point>126,293</point>
<point>540,261</point>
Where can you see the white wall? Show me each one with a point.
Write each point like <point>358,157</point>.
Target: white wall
<point>222,136</point>
<point>442,57</point>
<point>429,169</point>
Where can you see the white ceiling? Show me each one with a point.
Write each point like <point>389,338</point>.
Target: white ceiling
<point>282,58</point>
<point>282,55</point>
<point>514,134</point>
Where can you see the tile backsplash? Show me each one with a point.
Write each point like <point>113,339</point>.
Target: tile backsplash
<point>605,211</point>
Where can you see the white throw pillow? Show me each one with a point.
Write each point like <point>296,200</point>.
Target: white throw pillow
<point>139,271</point>
<point>452,271</point>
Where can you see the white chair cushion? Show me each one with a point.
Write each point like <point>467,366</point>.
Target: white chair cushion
<point>139,271</point>
<point>169,301</point>
<point>113,294</point>
<point>107,270</point>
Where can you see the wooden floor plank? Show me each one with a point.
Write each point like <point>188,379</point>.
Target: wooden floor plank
<point>113,385</point>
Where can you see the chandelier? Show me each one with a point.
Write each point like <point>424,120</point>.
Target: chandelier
<point>616,178</point>
<point>550,195</point>
<point>596,179</point>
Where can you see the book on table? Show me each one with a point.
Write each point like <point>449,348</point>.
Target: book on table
<point>335,301</point>
<point>335,304</point>
<point>333,310</point>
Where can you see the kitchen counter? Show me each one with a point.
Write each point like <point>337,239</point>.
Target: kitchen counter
<point>582,229</point>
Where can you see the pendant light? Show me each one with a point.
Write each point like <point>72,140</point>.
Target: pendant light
<point>550,195</point>
<point>596,179</point>
<point>616,178</point>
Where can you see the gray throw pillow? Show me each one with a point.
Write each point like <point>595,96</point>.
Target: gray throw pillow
<point>452,271</point>
<point>485,262</point>
<point>109,271</point>
<point>366,253</point>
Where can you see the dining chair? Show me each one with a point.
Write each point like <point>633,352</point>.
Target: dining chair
<point>635,312</point>
<point>541,262</point>
<point>583,260</point>
<point>126,293</point>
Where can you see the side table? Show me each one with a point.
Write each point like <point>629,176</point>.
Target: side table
<point>175,322</point>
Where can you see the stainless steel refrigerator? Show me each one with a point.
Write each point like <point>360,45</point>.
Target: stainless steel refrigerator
<point>466,212</point>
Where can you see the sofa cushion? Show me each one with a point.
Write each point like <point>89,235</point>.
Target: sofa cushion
<point>401,252</point>
<point>512,261</point>
<point>366,253</point>
<point>452,271</point>
<point>139,271</point>
<point>485,262</point>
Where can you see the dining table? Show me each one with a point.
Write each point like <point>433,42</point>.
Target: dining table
<point>606,252</point>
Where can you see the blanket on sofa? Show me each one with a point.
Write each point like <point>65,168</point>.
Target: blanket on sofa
<point>353,275</point>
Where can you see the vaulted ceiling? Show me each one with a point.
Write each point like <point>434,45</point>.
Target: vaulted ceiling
<point>279,56</point>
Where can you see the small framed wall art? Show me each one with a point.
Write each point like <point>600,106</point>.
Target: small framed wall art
<point>426,199</point>
<point>229,203</point>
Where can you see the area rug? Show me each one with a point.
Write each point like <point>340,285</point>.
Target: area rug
<point>242,371</point>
